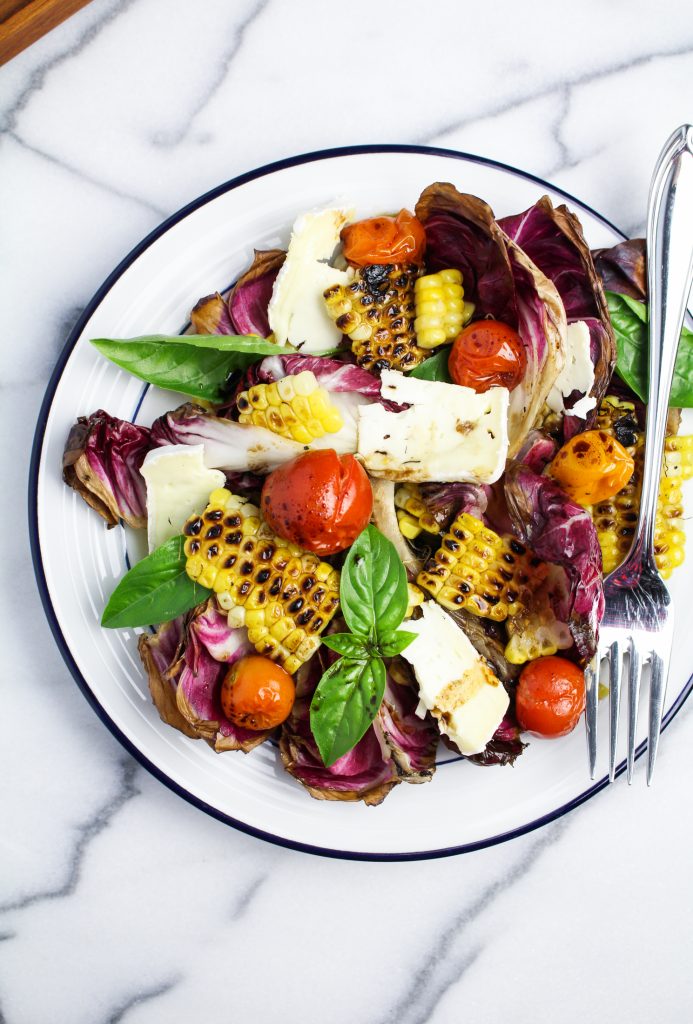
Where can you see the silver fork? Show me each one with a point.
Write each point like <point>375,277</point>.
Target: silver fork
<point>639,617</point>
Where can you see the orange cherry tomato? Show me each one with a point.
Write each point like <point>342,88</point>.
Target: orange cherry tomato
<point>591,467</point>
<point>320,501</point>
<point>399,239</point>
<point>550,696</point>
<point>487,354</point>
<point>256,693</point>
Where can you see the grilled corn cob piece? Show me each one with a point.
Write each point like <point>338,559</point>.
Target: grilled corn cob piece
<point>441,310</point>
<point>536,632</point>
<point>295,407</point>
<point>412,514</point>
<point>476,569</point>
<point>376,310</point>
<point>615,518</point>
<point>285,596</point>
<point>415,599</point>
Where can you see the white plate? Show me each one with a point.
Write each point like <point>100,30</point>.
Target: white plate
<point>78,561</point>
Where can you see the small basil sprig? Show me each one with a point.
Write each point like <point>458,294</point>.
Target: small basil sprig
<point>155,590</point>
<point>373,596</point>
<point>435,367</point>
<point>629,320</point>
<point>196,364</point>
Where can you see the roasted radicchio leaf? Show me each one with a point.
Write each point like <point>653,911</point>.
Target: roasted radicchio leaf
<point>335,376</point>
<point>623,268</point>
<point>553,240</point>
<point>561,532</point>
<point>211,316</point>
<point>445,501</point>
<point>102,461</point>
<point>160,654</point>
<point>504,747</point>
<point>252,292</point>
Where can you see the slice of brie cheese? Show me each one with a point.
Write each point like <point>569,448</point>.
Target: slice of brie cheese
<point>178,484</point>
<point>577,373</point>
<point>449,433</point>
<point>296,311</point>
<point>455,683</point>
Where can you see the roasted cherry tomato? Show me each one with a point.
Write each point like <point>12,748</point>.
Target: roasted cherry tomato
<point>591,467</point>
<point>399,239</point>
<point>487,354</point>
<point>256,693</point>
<point>320,501</point>
<point>550,696</point>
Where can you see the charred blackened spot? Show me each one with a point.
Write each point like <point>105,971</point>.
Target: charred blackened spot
<point>193,527</point>
<point>464,427</point>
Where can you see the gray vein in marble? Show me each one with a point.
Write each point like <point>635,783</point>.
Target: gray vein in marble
<point>71,169</point>
<point>144,996</point>
<point>542,92</point>
<point>247,897</point>
<point>437,974</point>
<point>38,77</point>
<point>86,832</point>
<point>6,936</point>
<point>167,140</point>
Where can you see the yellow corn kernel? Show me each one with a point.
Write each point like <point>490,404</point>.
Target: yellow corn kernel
<point>412,514</point>
<point>295,407</point>
<point>441,311</point>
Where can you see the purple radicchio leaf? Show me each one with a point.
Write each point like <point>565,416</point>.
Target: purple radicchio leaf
<point>504,747</point>
<point>211,316</point>
<point>412,740</point>
<point>335,376</point>
<point>623,268</point>
<point>102,461</point>
<point>251,294</point>
<point>210,646</point>
<point>562,533</point>
<point>446,501</point>
<point>537,451</point>
<point>368,772</point>
<point>160,654</point>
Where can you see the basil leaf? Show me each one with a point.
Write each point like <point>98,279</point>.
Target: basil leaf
<point>186,364</point>
<point>346,644</point>
<point>155,590</point>
<point>629,320</point>
<point>373,588</point>
<point>435,367</point>
<point>344,705</point>
<point>394,643</point>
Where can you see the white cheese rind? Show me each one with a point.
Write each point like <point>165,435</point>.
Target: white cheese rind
<point>577,373</point>
<point>449,433</point>
<point>455,683</point>
<point>296,311</point>
<point>178,484</point>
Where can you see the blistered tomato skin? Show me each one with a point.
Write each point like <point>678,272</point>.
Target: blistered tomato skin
<point>256,693</point>
<point>488,354</point>
<point>550,697</point>
<point>592,467</point>
<point>399,239</point>
<point>321,501</point>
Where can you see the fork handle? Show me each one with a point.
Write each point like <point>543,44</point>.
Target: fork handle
<point>669,278</point>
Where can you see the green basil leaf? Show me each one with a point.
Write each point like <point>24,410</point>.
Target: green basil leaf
<point>394,643</point>
<point>344,705</point>
<point>373,588</point>
<point>629,320</point>
<point>155,590</point>
<point>435,367</point>
<point>346,644</point>
<point>188,364</point>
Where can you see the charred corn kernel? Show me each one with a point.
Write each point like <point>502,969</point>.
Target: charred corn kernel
<point>441,311</point>
<point>415,599</point>
<point>481,572</point>
<point>284,596</point>
<point>295,407</point>
<point>615,518</point>
<point>412,514</point>
<point>536,632</point>
<point>376,310</point>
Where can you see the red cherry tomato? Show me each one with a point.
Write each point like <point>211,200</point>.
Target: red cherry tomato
<point>320,501</point>
<point>399,239</point>
<point>256,693</point>
<point>488,354</point>
<point>550,696</point>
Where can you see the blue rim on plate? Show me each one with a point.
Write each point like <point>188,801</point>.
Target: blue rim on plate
<point>36,452</point>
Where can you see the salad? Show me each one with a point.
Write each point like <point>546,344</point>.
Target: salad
<point>410,448</point>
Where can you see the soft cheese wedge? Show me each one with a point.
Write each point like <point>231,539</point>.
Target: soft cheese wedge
<point>296,311</point>
<point>577,373</point>
<point>448,434</point>
<point>455,683</point>
<point>178,484</point>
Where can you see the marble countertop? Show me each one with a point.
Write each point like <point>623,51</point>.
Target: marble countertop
<point>119,901</point>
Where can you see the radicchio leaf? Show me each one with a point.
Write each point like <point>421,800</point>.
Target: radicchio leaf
<point>537,451</point>
<point>504,747</point>
<point>101,462</point>
<point>160,654</point>
<point>335,376</point>
<point>413,741</point>
<point>623,268</point>
<point>446,501</point>
<point>561,532</point>
<point>489,640</point>
<point>252,292</point>
<point>211,316</point>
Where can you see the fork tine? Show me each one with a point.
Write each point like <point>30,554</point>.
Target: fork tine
<point>615,675</point>
<point>658,687</point>
<point>634,671</point>
<point>591,706</point>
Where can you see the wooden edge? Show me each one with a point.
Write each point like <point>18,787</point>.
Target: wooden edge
<point>31,21</point>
